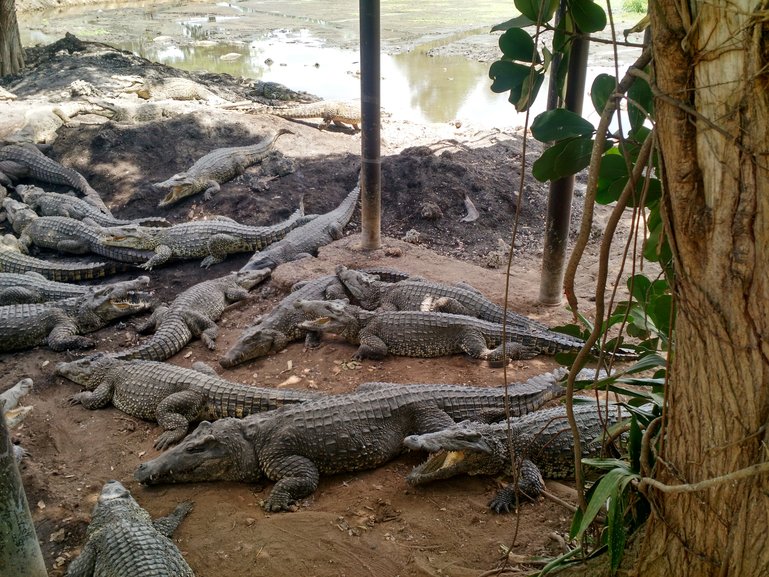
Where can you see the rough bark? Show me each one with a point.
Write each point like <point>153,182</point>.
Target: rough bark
<point>11,53</point>
<point>714,58</point>
<point>20,554</point>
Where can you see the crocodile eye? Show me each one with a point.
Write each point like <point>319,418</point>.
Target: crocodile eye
<point>192,449</point>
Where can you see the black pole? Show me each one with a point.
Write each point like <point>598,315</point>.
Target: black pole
<point>561,191</point>
<point>371,161</point>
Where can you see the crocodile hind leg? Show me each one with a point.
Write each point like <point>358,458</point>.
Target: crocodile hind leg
<point>168,524</point>
<point>152,323</point>
<point>530,486</point>
<point>202,327</point>
<point>295,477</point>
<point>174,414</point>
<point>85,563</point>
<point>19,295</point>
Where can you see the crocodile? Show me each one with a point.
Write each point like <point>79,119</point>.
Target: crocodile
<point>338,113</point>
<point>65,234</point>
<point>293,445</point>
<point>56,204</point>
<point>124,541</point>
<point>542,446</point>
<point>308,238</point>
<point>14,414</point>
<point>428,334</point>
<point>13,260</point>
<point>215,168</point>
<point>60,324</point>
<point>192,314</point>
<point>212,240</point>
<point>172,396</point>
<point>420,294</point>
<point>174,89</point>
<point>273,332</point>
<point>27,160</point>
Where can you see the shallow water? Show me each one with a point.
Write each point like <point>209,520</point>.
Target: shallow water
<point>312,45</point>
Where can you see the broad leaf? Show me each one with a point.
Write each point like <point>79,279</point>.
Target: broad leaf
<point>588,16</point>
<point>516,44</point>
<point>603,87</point>
<point>558,124</point>
<point>530,9</point>
<point>517,22</point>
<point>616,532</point>
<point>529,90</point>
<point>564,158</point>
<point>612,177</point>
<point>640,93</point>
<point>508,76</point>
<point>604,488</point>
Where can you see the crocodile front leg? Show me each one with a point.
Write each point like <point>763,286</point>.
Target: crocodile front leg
<point>85,563</point>
<point>65,336</point>
<point>295,477</point>
<point>212,188</point>
<point>530,486</point>
<point>219,247</point>
<point>168,524</point>
<point>174,414</point>
<point>371,347</point>
<point>449,305</point>
<point>163,253</point>
<point>100,397</point>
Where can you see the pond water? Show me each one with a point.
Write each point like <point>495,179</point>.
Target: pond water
<point>430,62</point>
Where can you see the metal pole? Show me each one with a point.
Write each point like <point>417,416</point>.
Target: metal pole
<point>20,554</point>
<point>559,199</point>
<point>371,161</point>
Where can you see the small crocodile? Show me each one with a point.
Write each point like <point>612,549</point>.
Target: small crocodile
<point>420,294</point>
<point>55,204</point>
<point>192,314</point>
<point>172,396</point>
<point>293,445</point>
<point>124,541</point>
<point>542,446</point>
<point>174,89</point>
<point>13,260</point>
<point>29,161</point>
<point>308,238</point>
<point>212,240</point>
<point>65,234</point>
<point>428,334</point>
<point>215,168</point>
<point>338,113</point>
<point>60,324</point>
<point>272,333</point>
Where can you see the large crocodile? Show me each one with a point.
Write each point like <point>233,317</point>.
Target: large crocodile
<point>308,238</point>
<point>215,168</point>
<point>13,260</point>
<point>192,314</point>
<point>172,396</point>
<point>124,541</point>
<point>428,334</point>
<point>212,240</point>
<point>175,88</point>
<point>413,295</point>
<point>338,113</point>
<point>542,446</point>
<point>27,160</point>
<point>56,204</point>
<point>293,445</point>
<point>273,332</point>
<point>65,234</point>
<point>60,324</point>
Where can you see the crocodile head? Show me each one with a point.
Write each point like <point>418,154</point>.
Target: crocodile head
<point>333,316</point>
<point>466,448</point>
<point>106,303</point>
<point>360,284</point>
<point>89,371</point>
<point>176,188</point>
<point>9,243</point>
<point>113,504</point>
<point>248,279</point>
<point>19,214</point>
<point>256,341</point>
<point>217,451</point>
<point>129,236</point>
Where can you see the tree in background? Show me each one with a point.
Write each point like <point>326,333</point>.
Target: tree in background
<point>11,53</point>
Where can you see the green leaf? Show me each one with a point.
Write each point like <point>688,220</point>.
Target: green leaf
<point>634,445</point>
<point>612,177</point>
<point>558,124</point>
<point>529,91</point>
<point>564,158</point>
<point>606,464</point>
<point>517,22</point>
<point>507,76</point>
<point>640,287</point>
<point>639,94</point>
<point>529,8</point>
<point>603,87</point>
<point>616,528</point>
<point>604,488</point>
<point>516,44</point>
<point>588,16</point>
<point>646,363</point>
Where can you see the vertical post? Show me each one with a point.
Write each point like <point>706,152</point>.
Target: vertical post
<point>20,554</point>
<point>371,161</point>
<point>559,199</point>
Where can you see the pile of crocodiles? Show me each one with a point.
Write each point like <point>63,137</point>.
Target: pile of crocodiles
<point>243,432</point>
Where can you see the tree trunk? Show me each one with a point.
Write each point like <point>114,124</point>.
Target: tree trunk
<point>713,58</point>
<point>20,554</point>
<point>11,53</point>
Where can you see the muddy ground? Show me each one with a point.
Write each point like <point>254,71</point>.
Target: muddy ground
<point>368,523</point>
